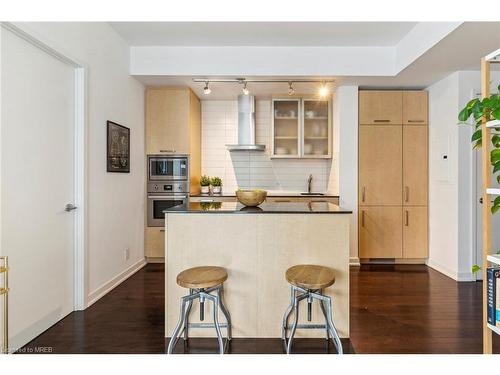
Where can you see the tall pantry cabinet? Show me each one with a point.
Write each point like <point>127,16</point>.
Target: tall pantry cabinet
<point>393,174</point>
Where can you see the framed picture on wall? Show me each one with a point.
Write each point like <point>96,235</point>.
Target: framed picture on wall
<point>118,148</point>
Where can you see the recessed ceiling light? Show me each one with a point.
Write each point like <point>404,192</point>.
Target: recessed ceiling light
<point>206,89</point>
<point>245,90</point>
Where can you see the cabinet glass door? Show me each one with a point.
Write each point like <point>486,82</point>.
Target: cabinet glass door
<point>316,128</point>
<point>286,130</point>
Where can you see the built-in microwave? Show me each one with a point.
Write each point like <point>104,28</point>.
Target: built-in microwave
<point>168,167</point>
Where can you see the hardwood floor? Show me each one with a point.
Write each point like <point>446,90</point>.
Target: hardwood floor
<point>394,309</point>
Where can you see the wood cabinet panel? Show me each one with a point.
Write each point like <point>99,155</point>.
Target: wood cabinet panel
<point>380,107</point>
<point>380,232</point>
<point>167,118</point>
<point>415,232</point>
<point>380,165</point>
<point>154,242</point>
<point>415,107</point>
<point>415,165</point>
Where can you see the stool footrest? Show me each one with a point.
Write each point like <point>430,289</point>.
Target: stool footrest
<point>311,326</point>
<point>206,325</point>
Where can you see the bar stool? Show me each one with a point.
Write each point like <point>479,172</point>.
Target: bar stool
<point>307,282</point>
<point>202,282</point>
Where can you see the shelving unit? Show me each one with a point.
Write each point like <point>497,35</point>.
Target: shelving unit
<point>488,258</point>
<point>493,124</point>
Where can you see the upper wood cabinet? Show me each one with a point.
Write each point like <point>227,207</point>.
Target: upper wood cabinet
<point>173,125</point>
<point>415,166</point>
<point>380,232</point>
<point>380,107</point>
<point>415,108</point>
<point>301,128</point>
<point>380,165</point>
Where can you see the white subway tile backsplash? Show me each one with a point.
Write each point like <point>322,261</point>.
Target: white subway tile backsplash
<point>252,169</point>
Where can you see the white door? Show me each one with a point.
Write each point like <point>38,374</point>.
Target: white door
<point>37,181</point>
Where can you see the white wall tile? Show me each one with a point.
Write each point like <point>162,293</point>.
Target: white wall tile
<point>252,169</point>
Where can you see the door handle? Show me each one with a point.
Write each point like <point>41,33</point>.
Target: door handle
<point>363,218</point>
<point>407,194</point>
<point>363,194</point>
<point>381,120</point>
<point>416,120</point>
<point>407,218</point>
<point>70,207</point>
<point>167,197</point>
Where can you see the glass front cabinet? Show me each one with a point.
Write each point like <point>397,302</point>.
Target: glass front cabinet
<point>301,128</point>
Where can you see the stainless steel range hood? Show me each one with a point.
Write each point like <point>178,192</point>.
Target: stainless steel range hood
<point>246,126</point>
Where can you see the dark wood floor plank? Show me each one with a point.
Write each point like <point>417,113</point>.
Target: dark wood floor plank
<point>394,309</point>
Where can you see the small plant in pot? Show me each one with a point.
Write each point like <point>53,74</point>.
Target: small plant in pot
<point>216,183</point>
<point>205,184</point>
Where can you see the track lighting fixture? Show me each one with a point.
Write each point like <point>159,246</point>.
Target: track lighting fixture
<point>245,90</point>
<point>323,89</point>
<point>206,89</point>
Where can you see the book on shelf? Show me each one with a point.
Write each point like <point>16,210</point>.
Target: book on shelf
<point>493,298</point>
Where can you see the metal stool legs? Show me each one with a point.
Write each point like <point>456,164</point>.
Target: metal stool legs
<point>184,325</point>
<point>297,295</point>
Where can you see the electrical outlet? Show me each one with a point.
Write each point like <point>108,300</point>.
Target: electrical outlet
<point>127,253</point>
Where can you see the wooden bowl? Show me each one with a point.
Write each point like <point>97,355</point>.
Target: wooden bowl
<point>251,198</point>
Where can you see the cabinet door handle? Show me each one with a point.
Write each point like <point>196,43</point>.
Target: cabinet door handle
<point>407,194</point>
<point>416,120</point>
<point>282,201</point>
<point>363,218</point>
<point>381,120</point>
<point>363,194</point>
<point>171,150</point>
<point>407,218</point>
<point>162,230</point>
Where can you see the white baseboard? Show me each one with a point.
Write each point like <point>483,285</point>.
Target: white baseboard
<point>455,275</point>
<point>354,261</point>
<point>114,282</point>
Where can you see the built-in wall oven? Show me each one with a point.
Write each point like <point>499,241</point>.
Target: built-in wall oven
<point>167,187</point>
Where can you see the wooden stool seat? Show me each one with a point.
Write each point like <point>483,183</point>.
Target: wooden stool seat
<point>202,277</point>
<point>311,277</point>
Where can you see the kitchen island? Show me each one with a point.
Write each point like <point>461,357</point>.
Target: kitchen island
<point>256,245</point>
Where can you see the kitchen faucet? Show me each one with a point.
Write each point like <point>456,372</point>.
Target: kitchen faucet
<point>309,183</point>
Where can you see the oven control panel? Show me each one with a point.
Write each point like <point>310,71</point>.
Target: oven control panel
<point>168,187</point>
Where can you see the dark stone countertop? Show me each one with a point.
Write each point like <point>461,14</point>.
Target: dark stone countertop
<point>264,208</point>
<point>270,195</point>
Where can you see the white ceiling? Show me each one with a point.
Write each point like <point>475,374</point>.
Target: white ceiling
<point>262,33</point>
<point>460,49</point>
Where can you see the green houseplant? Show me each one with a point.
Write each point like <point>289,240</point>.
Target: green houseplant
<point>489,109</point>
<point>216,183</point>
<point>205,184</point>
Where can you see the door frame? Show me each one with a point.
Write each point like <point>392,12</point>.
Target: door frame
<point>80,267</point>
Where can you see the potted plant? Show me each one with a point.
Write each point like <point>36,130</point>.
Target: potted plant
<point>216,183</point>
<point>205,184</point>
<point>488,108</point>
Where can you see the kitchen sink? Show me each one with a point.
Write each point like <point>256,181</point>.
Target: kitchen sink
<point>312,194</point>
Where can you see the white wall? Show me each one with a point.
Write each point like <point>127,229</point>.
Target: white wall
<point>115,218</point>
<point>346,147</point>
<point>253,169</point>
<point>452,181</point>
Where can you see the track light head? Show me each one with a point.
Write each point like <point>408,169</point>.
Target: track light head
<point>206,89</point>
<point>245,90</point>
<point>323,90</point>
